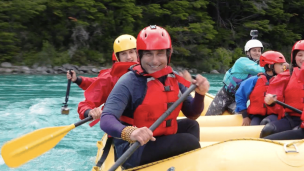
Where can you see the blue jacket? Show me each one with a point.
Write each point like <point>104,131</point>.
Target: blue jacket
<point>242,69</point>
<point>242,94</point>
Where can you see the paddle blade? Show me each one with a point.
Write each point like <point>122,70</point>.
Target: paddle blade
<point>65,110</point>
<point>20,150</point>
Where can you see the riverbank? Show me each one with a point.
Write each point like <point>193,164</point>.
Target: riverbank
<point>8,68</point>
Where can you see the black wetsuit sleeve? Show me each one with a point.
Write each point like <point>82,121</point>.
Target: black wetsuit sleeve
<point>78,80</point>
<point>192,107</point>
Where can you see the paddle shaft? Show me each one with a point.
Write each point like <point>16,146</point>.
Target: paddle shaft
<point>83,121</point>
<point>136,145</point>
<point>289,107</point>
<point>68,88</point>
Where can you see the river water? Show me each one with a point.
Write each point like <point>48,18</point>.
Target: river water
<point>31,102</point>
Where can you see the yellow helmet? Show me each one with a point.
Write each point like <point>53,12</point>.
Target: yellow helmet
<point>124,42</point>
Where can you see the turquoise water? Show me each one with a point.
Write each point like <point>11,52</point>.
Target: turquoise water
<point>31,102</point>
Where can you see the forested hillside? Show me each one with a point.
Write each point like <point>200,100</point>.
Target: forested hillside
<point>206,34</point>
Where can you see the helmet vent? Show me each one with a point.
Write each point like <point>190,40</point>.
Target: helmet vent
<point>118,41</point>
<point>162,34</point>
<point>145,34</point>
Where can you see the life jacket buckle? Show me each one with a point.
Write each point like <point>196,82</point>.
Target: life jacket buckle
<point>169,104</point>
<point>168,122</point>
<point>167,88</point>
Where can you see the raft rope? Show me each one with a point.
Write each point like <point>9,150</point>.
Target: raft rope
<point>236,139</point>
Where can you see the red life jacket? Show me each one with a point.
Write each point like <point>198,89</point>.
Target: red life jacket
<point>294,92</point>
<point>117,70</point>
<point>159,97</point>
<point>277,87</point>
<point>98,92</point>
<point>257,105</point>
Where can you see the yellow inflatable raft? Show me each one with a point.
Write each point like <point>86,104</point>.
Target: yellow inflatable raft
<point>236,154</point>
<point>215,121</point>
<point>226,145</point>
<point>219,120</point>
<point>207,101</point>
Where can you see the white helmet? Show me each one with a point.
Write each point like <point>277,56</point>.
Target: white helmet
<point>252,44</point>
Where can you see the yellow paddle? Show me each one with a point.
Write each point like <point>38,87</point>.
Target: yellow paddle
<point>20,150</point>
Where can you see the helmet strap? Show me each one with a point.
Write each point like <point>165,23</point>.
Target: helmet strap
<point>268,76</point>
<point>249,56</point>
<point>294,53</point>
<point>271,68</point>
<point>117,56</point>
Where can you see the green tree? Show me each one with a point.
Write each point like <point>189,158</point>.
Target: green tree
<point>188,23</point>
<point>203,32</point>
<point>14,15</point>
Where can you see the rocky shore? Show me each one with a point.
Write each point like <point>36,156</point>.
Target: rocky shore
<point>8,68</point>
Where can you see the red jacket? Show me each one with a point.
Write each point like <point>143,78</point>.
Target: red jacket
<point>87,81</point>
<point>277,87</point>
<point>294,92</point>
<point>257,105</point>
<point>289,90</point>
<point>98,92</point>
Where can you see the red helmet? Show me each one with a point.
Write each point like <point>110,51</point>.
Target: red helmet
<point>271,57</point>
<point>154,38</point>
<point>299,45</point>
<point>114,59</point>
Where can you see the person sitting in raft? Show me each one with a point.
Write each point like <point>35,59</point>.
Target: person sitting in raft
<point>242,69</point>
<point>98,91</point>
<point>254,89</point>
<point>287,87</point>
<point>143,94</point>
<point>124,51</point>
<point>125,56</point>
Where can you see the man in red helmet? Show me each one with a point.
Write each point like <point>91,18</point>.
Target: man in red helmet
<point>255,88</point>
<point>143,94</point>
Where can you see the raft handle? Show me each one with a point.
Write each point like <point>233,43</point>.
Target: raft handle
<point>291,151</point>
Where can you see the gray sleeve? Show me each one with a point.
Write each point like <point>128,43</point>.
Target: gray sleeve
<point>119,97</point>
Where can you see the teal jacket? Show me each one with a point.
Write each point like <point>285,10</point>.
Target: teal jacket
<point>242,69</point>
